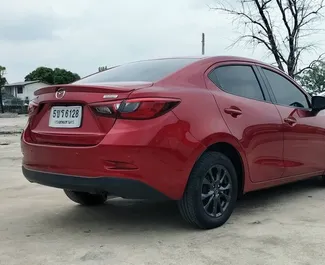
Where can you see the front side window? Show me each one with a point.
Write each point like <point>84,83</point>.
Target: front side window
<point>239,80</point>
<point>285,92</point>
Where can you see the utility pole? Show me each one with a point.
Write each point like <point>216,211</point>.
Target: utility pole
<point>102,68</point>
<point>203,43</point>
<point>3,81</point>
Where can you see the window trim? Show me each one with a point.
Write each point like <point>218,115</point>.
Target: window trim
<point>258,77</point>
<point>270,89</point>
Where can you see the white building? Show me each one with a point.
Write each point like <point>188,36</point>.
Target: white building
<point>24,90</point>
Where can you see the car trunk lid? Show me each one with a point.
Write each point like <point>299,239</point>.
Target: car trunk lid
<point>64,113</point>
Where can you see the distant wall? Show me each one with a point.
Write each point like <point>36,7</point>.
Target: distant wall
<point>28,90</point>
<point>16,109</point>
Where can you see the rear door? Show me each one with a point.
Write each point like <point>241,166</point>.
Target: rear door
<point>251,117</point>
<point>304,131</point>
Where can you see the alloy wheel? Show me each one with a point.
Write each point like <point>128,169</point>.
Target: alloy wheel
<point>216,191</point>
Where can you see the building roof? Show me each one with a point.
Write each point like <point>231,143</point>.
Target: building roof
<point>22,83</point>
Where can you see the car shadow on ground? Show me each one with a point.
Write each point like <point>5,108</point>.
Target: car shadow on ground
<point>281,194</point>
<point>127,216</point>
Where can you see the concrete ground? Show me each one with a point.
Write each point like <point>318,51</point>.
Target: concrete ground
<point>10,125</point>
<point>39,225</point>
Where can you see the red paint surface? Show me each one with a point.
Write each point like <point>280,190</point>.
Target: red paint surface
<point>162,151</point>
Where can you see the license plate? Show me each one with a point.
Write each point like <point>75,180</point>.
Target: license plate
<point>65,117</point>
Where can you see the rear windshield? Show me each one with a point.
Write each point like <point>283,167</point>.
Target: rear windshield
<point>147,71</point>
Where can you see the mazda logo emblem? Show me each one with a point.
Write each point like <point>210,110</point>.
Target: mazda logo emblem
<point>60,93</point>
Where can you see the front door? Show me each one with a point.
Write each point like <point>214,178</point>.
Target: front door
<point>304,132</point>
<point>251,117</point>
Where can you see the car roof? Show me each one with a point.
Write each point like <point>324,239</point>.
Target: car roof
<point>210,58</point>
<point>216,59</point>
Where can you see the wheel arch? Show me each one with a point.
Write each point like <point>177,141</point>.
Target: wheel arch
<point>233,154</point>
<point>230,146</point>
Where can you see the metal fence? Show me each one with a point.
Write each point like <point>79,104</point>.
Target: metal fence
<point>16,109</point>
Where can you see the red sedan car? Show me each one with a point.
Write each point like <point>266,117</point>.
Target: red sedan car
<point>201,131</point>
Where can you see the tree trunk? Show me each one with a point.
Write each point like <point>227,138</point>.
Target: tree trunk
<point>281,39</point>
<point>1,104</point>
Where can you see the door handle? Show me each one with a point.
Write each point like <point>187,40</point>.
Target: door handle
<point>233,111</point>
<point>290,120</point>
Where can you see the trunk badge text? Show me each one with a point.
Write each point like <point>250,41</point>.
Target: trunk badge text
<point>60,93</point>
<point>110,96</point>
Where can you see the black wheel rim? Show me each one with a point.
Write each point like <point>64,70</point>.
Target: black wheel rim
<point>216,191</point>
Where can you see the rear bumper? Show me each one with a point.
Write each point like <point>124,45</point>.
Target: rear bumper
<point>158,154</point>
<point>126,188</point>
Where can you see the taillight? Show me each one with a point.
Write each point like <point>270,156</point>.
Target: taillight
<point>136,109</point>
<point>32,107</point>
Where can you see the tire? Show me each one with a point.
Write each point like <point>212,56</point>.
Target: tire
<point>85,198</point>
<point>200,185</point>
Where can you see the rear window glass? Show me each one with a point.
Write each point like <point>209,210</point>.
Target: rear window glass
<point>147,71</point>
<point>239,80</point>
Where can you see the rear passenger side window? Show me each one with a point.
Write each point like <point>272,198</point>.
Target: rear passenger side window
<point>285,92</point>
<point>239,80</point>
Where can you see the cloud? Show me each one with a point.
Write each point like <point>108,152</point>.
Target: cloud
<point>29,28</point>
<point>81,35</point>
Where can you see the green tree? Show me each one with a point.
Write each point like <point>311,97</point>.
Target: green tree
<point>3,81</point>
<point>52,76</point>
<point>62,76</point>
<point>313,79</point>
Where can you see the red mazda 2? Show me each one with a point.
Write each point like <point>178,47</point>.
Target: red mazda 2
<point>200,131</point>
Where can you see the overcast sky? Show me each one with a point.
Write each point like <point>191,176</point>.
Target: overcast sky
<point>81,35</point>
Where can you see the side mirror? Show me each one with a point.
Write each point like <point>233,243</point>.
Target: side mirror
<point>317,103</point>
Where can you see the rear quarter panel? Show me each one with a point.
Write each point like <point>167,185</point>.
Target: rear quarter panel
<point>198,114</point>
